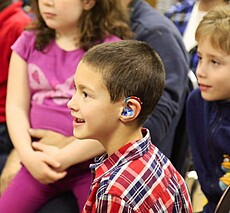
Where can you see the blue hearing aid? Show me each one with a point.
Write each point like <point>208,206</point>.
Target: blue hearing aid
<point>128,111</point>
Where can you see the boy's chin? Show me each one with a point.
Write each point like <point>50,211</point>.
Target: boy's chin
<point>211,97</point>
<point>207,97</point>
<point>77,135</point>
<point>81,136</point>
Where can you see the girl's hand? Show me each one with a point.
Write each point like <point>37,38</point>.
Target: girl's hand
<point>50,137</point>
<point>43,167</point>
<point>52,151</point>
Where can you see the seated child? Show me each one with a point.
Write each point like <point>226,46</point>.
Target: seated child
<point>117,87</point>
<point>208,107</point>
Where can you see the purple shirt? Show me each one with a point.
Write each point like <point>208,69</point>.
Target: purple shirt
<point>50,75</point>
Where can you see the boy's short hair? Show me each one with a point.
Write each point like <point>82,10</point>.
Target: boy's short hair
<point>129,68</point>
<point>216,26</point>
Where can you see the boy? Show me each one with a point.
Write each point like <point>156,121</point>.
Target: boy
<point>208,107</point>
<point>117,88</point>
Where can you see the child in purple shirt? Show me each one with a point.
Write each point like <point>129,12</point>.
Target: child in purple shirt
<point>43,63</point>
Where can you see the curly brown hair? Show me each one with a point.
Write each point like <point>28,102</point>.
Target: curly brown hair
<point>107,17</point>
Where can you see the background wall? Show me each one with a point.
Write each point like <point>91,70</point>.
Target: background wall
<point>152,2</point>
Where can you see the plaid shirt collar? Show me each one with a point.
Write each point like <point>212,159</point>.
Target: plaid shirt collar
<point>180,13</point>
<point>131,151</point>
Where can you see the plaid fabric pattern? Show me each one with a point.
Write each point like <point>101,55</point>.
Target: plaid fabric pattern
<point>180,13</point>
<point>137,178</point>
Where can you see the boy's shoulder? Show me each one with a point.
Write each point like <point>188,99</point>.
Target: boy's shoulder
<point>143,182</point>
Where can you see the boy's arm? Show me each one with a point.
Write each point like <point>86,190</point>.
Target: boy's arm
<point>75,152</point>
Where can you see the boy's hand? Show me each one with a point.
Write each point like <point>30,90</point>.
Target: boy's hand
<point>43,167</point>
<point>50,137</point>
<point>225,179</point>
<point>52,151</point>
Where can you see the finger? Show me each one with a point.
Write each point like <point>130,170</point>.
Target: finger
<point>37,133</point>
<point>51,162</point>
<point>53,176</point>
<point>38,146</point>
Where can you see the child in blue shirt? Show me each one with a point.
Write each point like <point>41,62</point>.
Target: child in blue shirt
<point>208,107</point>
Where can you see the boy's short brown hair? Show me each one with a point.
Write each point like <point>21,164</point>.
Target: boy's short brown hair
<point>129,68</point>
<point>216,26</point>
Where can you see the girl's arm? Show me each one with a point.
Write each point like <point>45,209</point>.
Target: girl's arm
<point>17,105</point>
<point>17,114</point>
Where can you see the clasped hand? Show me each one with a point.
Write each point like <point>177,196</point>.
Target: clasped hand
<point>43,167</point>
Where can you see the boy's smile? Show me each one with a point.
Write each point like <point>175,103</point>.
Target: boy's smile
<point>213,72</point>
<point>78,122</point>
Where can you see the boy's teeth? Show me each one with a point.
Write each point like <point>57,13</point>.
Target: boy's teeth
<point>80,120</point>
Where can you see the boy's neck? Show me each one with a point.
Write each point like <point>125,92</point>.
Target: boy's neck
<point>206,5</point>
<point>121,138</point>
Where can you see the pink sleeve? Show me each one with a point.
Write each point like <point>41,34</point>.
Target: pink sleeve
<point>24,44</point>
<point>111,38</point>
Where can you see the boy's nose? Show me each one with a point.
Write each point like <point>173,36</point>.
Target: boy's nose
<point>72,104</point>
<point>69,104</point>
<point>201,70</point>
<point>48,2</point>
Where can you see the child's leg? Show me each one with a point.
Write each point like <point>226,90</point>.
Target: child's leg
<point>81,189</point>
<point>25,194</point>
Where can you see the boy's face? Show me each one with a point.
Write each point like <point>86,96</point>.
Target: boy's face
<point>95,116</point>
<point>213,72</point>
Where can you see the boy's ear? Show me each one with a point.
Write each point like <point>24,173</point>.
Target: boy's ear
<point>88,4</point>
<point>130,111</point>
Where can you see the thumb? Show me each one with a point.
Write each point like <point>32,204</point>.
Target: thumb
<point>37,133</point>
<point>38,146</point>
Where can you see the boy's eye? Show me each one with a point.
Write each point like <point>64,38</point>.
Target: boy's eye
<point>85,94</point>
<point>74,86</point>
<point>199,57</point>
<point>215,62</point>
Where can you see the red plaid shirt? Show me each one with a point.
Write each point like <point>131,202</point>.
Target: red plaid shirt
<point>137,178</point>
